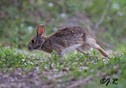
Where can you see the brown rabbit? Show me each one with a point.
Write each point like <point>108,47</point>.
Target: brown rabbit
<point>64,40</point>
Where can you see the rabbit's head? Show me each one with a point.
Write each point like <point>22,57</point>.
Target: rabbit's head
<point>37,41</point>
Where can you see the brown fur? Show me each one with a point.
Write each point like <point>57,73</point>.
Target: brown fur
<point>64,40</point>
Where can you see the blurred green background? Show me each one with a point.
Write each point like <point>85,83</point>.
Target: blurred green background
<point>103,19</point>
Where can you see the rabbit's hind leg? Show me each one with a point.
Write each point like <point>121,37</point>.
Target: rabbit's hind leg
<point>92,43</point>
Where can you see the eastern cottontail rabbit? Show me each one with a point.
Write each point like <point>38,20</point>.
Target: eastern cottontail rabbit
<point>64,40</point>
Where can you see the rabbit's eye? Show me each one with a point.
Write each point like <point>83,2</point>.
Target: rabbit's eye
<point>33,41</point>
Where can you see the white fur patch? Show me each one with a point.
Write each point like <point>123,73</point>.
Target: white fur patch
<point>70,48</point>
<point>92,43</point>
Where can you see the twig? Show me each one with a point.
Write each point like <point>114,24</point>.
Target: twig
<point>80,82</point>
<point>103,14</point>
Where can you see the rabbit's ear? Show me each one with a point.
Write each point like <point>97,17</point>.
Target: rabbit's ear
<point>40,30</point>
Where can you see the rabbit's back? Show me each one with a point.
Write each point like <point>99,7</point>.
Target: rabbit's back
<point>68,36</point>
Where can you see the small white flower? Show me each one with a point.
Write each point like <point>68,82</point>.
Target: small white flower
<point>46,67</point>
<point>75,52</point>
<point>23,60</point>
<point>21,25</point>
<point>105,61</point>
<point>55,69</point>
<point>37,68</point>
<point>83,67</point>
<point>50,4</point>
<point>30,28</point>
<point>25,63</point>
<point>31,63</point>
<point>116,6</point>
<point>55,29</point>
<point>63,15</point>
<point>120,13</point>
<point>89,52</point>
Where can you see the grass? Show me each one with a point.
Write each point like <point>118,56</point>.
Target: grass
<point>76,70</point>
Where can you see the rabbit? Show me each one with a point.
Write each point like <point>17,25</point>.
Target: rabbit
<point>64,40</point>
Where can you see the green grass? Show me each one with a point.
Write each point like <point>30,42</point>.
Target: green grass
<point>74,67</point>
